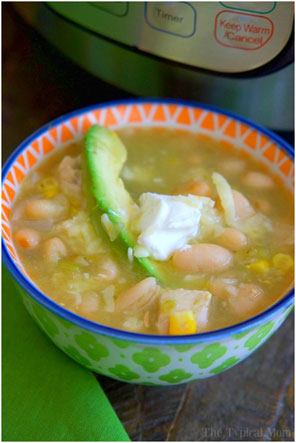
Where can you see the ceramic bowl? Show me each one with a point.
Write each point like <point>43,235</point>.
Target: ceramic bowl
<point>126,356</point>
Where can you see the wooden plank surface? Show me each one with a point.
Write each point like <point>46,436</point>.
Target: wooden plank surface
<point>254,400</point>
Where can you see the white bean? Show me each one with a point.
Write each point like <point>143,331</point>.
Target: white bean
<point>27,238</point>
<point>138,295</point>
<point>233,166</point>
<point>46,209</point>
<point>243,207</point>
<point>202,257</point>
<point>54,249</point>
<point>44,225</point>
<point>247,299</point>
<point>222,287</point>
<point>232,239</point>
<point>243,298</point>
<point>258,180</point>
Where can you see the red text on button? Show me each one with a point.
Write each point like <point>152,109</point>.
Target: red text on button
<point>242,31</point>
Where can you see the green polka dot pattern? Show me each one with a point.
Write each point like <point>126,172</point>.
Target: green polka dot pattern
<point>184,348</point>
<point>208,355</point>
<point>151,359</point>
<point>151,365</point>
<point>120,343</point>
<point>225,365</point>
<point>123,373</point>
<point>176,376</point>
<point>259,336</point>
<point>75,354</point>
<point>90,345</point>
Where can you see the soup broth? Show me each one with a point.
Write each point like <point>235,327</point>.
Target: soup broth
<point>225,274</point>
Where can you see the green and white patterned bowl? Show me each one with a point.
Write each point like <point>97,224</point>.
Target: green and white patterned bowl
<point>127,356</point>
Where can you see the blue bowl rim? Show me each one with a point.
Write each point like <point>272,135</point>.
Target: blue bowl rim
<point>92,326</point>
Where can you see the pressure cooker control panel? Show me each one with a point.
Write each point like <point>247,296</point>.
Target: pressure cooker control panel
<point>226,36</point>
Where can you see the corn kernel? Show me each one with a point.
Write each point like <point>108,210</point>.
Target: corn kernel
<point>49,187</point>
<point>260,266</point>
<point>182,323</point>
<point>283,262</point>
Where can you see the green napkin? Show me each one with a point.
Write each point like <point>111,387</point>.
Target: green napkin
<point>46,395</point>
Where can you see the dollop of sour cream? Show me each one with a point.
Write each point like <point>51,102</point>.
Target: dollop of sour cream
<point>167,223</point>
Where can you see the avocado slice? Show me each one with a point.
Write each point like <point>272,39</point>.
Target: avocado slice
<point>105,156</point>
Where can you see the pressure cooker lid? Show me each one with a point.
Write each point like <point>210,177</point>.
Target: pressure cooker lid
<point>225,37</point>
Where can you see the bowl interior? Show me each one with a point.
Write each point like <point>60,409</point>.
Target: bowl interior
<point>268,149</point>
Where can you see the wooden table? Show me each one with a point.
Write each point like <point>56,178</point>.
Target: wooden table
<point>254,400</point>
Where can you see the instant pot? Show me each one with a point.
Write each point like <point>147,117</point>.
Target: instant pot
<point>235,55</point>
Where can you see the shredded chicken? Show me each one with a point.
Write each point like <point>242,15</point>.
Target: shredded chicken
<point>69,175</point>
<point>178,300</point>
